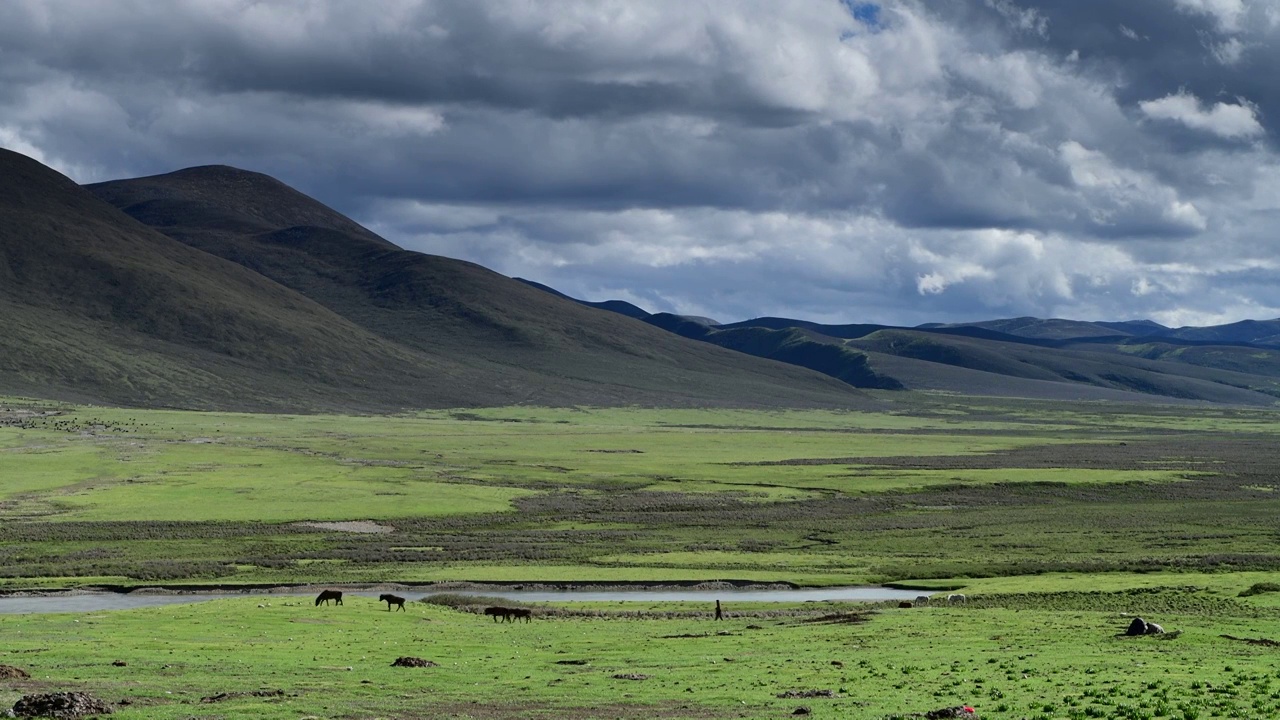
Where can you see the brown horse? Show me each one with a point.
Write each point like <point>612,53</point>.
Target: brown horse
<point>391,600</point>
<point>525,613</point>
<point>498,611</point>
<point>326,595</point>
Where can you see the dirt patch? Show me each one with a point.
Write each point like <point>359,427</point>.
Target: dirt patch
<point>222,697</point>
<point>794,694</point>
<point>631,676</point>
<point>363,527</point>
<point>408,661</point>
<point>618,452</point>
<point>535,711</point>
<point>842,618</point>
<point>571,662</point>
<point>1265,642</point>
<point>9,672</point>
<point>63,706</point>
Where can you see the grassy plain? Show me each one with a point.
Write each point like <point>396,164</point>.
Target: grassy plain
<point>928,487</point>
<point>1055,655</point>
<point>1059,520</point>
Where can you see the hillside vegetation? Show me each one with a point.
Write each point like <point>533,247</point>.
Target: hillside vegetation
<point>220,288</point>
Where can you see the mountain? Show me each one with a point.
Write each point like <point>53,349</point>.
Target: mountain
<point>453,333</point>
<point>1026,357</point>
<point>621,307</point>
<point>1050,329</point>
<point>96,306</point>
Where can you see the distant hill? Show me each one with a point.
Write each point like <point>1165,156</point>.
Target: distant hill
<point>465,335</point>
<point>620,307</point>
<point>1028,357</point>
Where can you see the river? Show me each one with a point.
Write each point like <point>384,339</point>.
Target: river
<point>79,602</point>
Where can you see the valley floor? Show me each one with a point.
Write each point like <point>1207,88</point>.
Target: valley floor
<point>1059,521</point>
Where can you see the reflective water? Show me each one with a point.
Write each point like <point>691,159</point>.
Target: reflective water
<point>94,602</point>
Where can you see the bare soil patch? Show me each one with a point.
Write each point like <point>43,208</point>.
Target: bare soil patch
<point>60,705</point>
<point>410,661</point>
<point>9,672</point>
<point>221,697</point>
<point>364,527</point>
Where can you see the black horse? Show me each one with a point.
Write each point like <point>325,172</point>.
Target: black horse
<point>391,600</point>
<point>326,595</point>
<point>496,612</point>
<point>525,613</point>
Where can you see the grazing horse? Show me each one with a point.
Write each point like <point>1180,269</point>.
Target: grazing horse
<point>496,611</point>
<point>525,613</point>
<point>326,595</point>
<point>391,600</point>
<point>922,600</point>
<point>956,599</point>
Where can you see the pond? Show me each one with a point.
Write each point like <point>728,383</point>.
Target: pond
<point>99,601</point>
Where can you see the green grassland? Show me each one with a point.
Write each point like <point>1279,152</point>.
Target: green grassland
<point>926,487</point>
<point>1060,521</point>
<point>1008,655</point>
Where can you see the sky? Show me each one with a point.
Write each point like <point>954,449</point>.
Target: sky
<point>897,162</point>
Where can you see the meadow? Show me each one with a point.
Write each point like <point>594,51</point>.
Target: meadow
<point>1029,655</point>
<point>1059,520</point>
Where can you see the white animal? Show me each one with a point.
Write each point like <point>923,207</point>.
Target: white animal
<point>956,599</point>
<point>922,600</point>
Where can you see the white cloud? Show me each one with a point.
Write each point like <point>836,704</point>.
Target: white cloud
<point>1227,13</point>
<point>1223,119</point>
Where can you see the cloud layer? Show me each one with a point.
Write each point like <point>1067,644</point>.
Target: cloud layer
<point>848,161</point>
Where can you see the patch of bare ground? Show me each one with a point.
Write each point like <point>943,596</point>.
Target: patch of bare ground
<point>222,697</point>
<point>1265,642</point>
<point>414,662</point>
<point>60,705</point>
<point>523,710</point>
<point>839,618</point>
<point>364,527</point>
<point>9,672</point>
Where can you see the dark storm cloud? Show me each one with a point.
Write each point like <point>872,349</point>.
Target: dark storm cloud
<point>843,160</point>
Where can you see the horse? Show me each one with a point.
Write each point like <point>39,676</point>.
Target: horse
<point>956,599</point>
<point>391,600</point>
<point>496,611</point>
<point>905,604</point>
<point>525,613</point>
<point>326,595</point>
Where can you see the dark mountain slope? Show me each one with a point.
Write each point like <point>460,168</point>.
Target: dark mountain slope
<point>531,345</point>
<point>621,307</point>
<point>96,305</point>
<point>790,345</point>
<point>1039,328</point>
<point>1090,364</point>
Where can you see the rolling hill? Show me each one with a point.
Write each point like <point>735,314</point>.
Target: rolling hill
<point>1026,357</point>
<point>463,335</point>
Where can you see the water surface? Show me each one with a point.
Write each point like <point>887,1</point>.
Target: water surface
<point>95,602</point>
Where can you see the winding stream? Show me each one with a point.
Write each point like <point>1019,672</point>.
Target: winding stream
<point>99,601</point>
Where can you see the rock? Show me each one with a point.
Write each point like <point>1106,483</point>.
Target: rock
<point>413,662</point>
<point>63,706</point>
<point>1137,627</point>
<point>792,694</point>
<point>119,663</point>
<point>802,710</point>
<point>630,676</point>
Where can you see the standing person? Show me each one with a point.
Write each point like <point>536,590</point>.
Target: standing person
<point>719,614</point>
